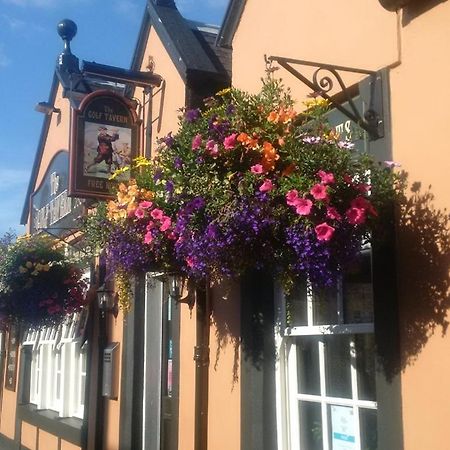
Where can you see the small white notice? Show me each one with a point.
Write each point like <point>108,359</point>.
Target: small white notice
<point>343,428</point>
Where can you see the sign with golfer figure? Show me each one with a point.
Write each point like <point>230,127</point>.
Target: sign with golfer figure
<point>105,135</point>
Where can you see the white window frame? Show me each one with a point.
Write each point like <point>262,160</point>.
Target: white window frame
<point>58,356</point>
<point>287,391</point>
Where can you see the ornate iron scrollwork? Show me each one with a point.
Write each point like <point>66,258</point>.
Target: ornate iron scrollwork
<point>323,81</point>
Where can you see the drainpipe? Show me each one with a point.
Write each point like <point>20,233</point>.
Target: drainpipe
<point>148,122</point>
<point>201,358</point>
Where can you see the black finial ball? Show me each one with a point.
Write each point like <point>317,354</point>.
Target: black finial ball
<point>67,29</point>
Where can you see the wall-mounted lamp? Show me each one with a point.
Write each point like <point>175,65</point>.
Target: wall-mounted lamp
<point>178,291</point>
<point>46,108</point>
<point>107,301</point>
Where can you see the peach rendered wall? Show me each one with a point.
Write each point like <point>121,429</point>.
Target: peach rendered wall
<point>171,96</point>
<point>354,33</point>
<point>47,441</point>
<point>58,134</point>
<point>29,436</point>
<point>224,405</point>
<point>420,119</point>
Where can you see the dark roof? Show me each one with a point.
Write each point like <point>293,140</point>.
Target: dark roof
<point>230,23</point>
<point>185,46</point>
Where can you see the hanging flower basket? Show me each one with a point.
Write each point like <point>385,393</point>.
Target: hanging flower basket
<point>38,285</point>
<point>248,183</point>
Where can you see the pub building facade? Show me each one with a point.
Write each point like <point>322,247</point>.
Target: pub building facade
<point>364,373</point>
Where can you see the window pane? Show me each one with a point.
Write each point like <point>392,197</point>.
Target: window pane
<point>368,426</point>
<point>365,364</point>
<point>308,365</point>
<point>337,366</point>
<point>325,306</point>
<point>296,306</point>
<point>358,293</point>
<point>310,417</point>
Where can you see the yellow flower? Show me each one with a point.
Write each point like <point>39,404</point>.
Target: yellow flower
<point>22,269</point>
<point>223,92</point>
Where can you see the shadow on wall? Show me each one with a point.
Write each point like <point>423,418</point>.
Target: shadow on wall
<point>253,298</point>
<point>416,8</point>
<point>423,249</point>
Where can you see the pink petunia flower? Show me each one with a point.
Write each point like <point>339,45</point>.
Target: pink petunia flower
<point>291,197</point>
<point>230,141</point>
<point>196,142</point>
<point>148,238</point>
<point>267,186</point>
<point>157,214</point>
<point>303,206</point>
<point>145,204</point>
<point>363,203</point>
<point>257,168</point>
<point>333,213</point>
<point>139,213</point>
<point>319,192</point>
<point>212,147</point>
<point>166,223</point>
<point>326,177</point>
<point>324,232</point>
<point>355,216</point>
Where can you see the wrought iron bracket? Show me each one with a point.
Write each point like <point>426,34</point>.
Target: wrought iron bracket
<point>323,81</point>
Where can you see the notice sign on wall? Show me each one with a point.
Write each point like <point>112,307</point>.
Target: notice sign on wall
<point>343,428</point>
<point>104,139</point>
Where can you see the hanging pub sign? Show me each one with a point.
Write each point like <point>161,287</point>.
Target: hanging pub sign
<point>52,210</point>
<point>104,138</point>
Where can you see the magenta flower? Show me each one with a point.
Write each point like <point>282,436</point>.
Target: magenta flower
<point>257,168</point>
<point>319,192</point>
<point>324,232</point>
<point>303,206</point>
<point>355,216</point>
<point>267,186</point>
<point>292,197</point>
<point>139,213</point>
<point>333,213</point>
<point>157,214</point>
<point>326,177</point>
<point>166,223</point>
<point>145,204</point>
<point>230,141</point>
<point>196,141</point>
<point>363,203</point>
<point>148,238</point>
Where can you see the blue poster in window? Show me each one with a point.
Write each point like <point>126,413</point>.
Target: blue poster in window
<point>343,428</point>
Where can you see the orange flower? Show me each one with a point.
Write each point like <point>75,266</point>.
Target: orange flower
<point>246,140</point>
<point>269,157</point>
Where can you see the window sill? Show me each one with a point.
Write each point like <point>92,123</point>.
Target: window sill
<point>70,429</point>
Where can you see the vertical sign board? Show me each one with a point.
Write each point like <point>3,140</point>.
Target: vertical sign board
<point>51,208</point>
<point>12,358</point>
<point>104,138</point>
<point>347,128</point>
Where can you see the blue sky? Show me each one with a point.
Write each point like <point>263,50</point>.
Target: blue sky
<point>29,45</point>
